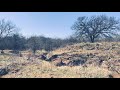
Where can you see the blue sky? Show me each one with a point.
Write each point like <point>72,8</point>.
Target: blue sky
<point>50,24</point>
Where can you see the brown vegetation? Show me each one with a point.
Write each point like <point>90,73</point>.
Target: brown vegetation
<point>84,60</point>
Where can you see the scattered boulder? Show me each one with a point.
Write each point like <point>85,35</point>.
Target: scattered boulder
<point>104,65</point>
<point>3,71</point>
<point>75,57</point>
<point>43,57</point>
<point>64,54</point>
<point>114,75</point>
<point>65,61</point>
<point>94,62</point>
<point>53,57</point>
<point>110,76</point>
<point>89,47</point>
<point>14,67</point>
<point>89,55</point>
<point>114,65</point>
<point>58,62</point>
<point>76,62</point>
<point>68,60</point>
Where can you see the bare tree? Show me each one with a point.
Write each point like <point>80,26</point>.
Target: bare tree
<point>6,28</point>
<point>96,26</point>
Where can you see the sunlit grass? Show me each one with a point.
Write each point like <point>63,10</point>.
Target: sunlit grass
<point>43,69</point>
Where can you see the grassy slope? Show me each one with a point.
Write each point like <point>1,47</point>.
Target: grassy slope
<point>43,69</point>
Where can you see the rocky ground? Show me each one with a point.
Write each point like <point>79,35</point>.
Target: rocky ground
<point>83,60</point>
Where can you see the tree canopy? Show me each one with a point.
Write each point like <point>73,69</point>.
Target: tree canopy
<point>96,26</point>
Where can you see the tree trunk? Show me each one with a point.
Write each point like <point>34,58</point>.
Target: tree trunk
<point>92,39</point>
<point>34,51</point>
<point>20,54</point>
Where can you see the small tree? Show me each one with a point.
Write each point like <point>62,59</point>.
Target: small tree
<point>33,43</point>
<point>96,26</point>
<point>2,45</point>
<point>18,42</point>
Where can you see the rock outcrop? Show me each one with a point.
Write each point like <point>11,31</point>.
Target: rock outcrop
<point>3,71</point>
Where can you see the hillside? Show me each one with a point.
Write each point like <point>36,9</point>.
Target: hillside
<point>82,60</point>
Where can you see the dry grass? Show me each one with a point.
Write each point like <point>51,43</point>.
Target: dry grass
<point>47,70</point>
<point>43,69</point>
